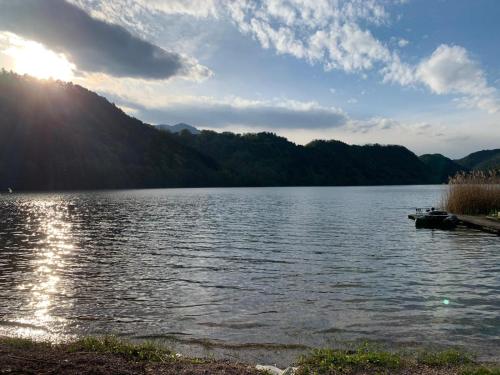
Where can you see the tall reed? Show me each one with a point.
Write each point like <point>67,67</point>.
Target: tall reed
<point>474,193</point>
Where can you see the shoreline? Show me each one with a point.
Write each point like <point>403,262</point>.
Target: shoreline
<point>110,355</point>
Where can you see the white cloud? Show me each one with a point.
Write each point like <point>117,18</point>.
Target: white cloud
<point>371,125</point>
<point>120,10</point>
<point>447,133</point>
<point>128,110</point>
<point>196,8</point>
<point>397,71</point>
<point>333,33</point>
<point>450,70</point>
<point>322,31</point>
<point>155,103</point>
<point>235,112</point>
<point>329,32</point>
<point>93,45</point>
<point>403,42</point>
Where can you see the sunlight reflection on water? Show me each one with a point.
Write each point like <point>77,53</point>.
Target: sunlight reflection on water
<point>306,266</point>
<point>48,225</point>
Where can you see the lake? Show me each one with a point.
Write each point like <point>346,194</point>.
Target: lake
<point>244,270</point>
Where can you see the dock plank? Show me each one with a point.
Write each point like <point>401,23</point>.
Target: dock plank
<point>476,222</point>
<point>481,223</point>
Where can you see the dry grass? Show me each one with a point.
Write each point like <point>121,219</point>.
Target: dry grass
<point>474,193</point>
<point>106,355</point>
<point>110,356</point>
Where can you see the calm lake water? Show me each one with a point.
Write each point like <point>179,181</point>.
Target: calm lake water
<point>238,267</point>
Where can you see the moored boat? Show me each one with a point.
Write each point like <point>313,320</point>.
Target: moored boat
<point>434,219</point>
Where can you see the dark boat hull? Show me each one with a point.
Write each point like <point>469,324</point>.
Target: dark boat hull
<point>436,221</point>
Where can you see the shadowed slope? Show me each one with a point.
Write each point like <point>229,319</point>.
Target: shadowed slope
<point>440,167</point>
<point>55,135</point>
<point>267,159</point>
<point>481,160</point>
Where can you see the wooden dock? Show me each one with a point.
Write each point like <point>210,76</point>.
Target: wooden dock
<point>481,223</point>
<point>476,222</point>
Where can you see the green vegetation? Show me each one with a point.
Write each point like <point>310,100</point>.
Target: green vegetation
<point>329,361</point>
<point>369,360</point>
<point>440,167</point>
<point>60,136</point>
<point>146,351</point>
<point>474,193</point>
<point>265,159</point>
<point>449,357</point>
<point>20,343</point>
<point>110,355</point>
<point>106,355</point>
<point>57,136</point>
<point>481,160</point>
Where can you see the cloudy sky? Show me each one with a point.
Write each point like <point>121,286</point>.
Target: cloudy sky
<point>422,73</point>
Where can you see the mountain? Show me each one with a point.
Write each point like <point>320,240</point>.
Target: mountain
<point>440,167</point>
<point>484,160</point>
<point>267,159</point>
<point>56,135</point>
<point>178,128</point>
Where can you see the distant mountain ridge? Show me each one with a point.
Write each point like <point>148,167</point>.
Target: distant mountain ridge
<point>440,167</point>
<point>265,159</point>
<point>60,136</point>
<point>481,160</point>
<point>178,128</point>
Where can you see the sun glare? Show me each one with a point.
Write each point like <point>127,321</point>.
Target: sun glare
<point>34,59</point>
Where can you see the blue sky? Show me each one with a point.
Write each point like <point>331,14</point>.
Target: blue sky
<point>421,73</point>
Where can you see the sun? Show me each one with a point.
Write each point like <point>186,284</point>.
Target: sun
<point>34,59</point>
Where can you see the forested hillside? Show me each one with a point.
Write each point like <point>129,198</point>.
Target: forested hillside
<point>481,160</point>
<point>267,159</point>
<point>440,167</point>
<point>56,136</point>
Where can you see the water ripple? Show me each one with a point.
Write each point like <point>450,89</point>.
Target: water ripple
<point>300,266</point>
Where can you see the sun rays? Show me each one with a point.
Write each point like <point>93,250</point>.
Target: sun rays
<point>34,59</point>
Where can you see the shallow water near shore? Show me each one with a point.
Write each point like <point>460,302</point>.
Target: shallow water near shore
<point>246,271</point>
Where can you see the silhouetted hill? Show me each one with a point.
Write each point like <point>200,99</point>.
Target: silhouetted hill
<point>267,159</point>
<point>484,160</point>
<point>56,135</point>
<point>440,167</point>
<point>178,128</point>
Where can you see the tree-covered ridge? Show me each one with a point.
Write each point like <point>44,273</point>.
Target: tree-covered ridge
<point>481,160</point>
<point>56,135</point>
<point>267,159</point>
<point>440,167</point>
